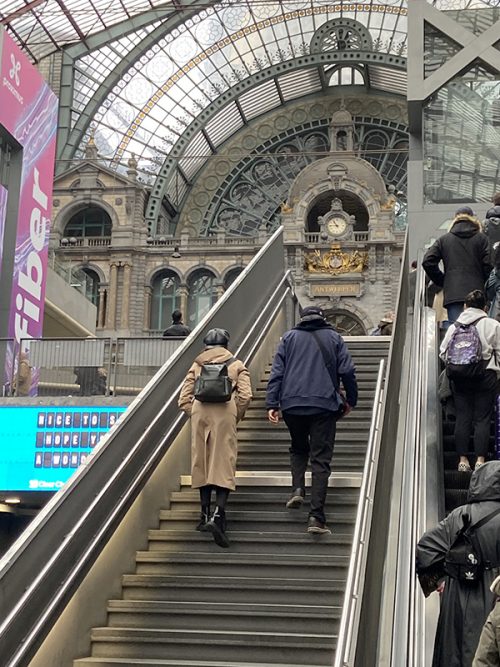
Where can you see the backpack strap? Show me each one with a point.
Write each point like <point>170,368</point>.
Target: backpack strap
<point>326,358</point>
<point>484,520</point>
<point>462,324</point>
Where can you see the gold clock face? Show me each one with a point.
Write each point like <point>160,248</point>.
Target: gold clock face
<point>336,226</point>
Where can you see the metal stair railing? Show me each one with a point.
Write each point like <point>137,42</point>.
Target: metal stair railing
<point>43,569</point>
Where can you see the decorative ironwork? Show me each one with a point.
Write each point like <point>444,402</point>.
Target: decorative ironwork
<point>252,195</point>
<point>336,262</point>
<point>341,34</point>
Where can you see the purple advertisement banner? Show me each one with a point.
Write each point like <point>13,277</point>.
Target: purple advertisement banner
<point>3,213</point>
<point>28,110</point>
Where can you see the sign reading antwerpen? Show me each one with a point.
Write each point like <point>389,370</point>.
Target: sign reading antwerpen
<point>28,116</point>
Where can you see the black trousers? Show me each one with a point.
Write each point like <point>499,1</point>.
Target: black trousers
<point>313,437</point>
<point>474,410</point>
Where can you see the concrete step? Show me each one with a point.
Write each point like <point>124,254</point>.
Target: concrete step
<point>282,435</point>
<point>249,589</point>
<point>268,500</point>
<point>271,647</point>
<point>264,522</point>
<point>281,477</point>
<point>176,615</point>
<point>247,542</point>
<point>146,662</point>
<point>349,463</point>
<point>260,422</point>
<point>221,563</point>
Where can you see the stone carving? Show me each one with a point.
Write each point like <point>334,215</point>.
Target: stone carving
<point>336,262</point>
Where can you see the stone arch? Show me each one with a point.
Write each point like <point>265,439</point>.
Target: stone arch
<point>201,267</point>
<point>153,273</point>
<point>351,309</point>
<point>77,205</point>
<point>231,273</point>
<point>96,268</point>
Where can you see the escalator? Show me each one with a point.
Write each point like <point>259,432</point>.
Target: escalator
<point>275,596</point>
<point>114,557</point>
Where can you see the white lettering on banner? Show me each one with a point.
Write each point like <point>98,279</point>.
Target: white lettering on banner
<point>30,282</point>
<point>13,90</point>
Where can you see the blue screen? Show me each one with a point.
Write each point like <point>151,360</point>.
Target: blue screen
<point>41,447</point>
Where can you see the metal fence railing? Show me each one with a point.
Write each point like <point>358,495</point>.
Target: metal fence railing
<point>84,366</point>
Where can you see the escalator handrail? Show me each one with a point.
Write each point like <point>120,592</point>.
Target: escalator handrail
<point>351,609</point>
<point>32,600</point>
<point>408,640</point>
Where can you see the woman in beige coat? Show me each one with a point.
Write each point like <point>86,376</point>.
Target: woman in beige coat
<point>214,442</point>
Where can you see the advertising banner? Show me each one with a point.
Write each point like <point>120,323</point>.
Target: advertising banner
<point>3,213</point>
<point>28,111</point>
<point>48,443</point>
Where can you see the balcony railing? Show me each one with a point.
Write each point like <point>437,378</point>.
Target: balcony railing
<point>314,237</point>
<point>85,241</point>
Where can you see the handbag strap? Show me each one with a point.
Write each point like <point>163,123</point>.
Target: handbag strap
<point>326,358</point>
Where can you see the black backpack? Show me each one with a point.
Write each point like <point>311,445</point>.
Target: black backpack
<point>463,560</point>
<point>213,384</point>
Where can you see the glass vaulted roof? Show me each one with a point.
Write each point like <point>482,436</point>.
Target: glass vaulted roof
<point>187,68</point>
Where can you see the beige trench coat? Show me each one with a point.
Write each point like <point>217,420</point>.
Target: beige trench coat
<point>214,441</point>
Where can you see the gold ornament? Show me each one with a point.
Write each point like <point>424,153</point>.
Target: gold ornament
<point>286,208</point>
<point>336,262</point>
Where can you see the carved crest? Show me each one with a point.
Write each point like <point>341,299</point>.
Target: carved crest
<point>336,262</point>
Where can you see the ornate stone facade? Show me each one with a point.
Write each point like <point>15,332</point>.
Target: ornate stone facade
<point>340,239</point>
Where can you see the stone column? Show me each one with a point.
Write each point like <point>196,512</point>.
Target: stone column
<point>101,313</point>
<point>148,292</point>
<point>113,283</point>
<point>219,289</point>
<point>183,292</point>
<point>127,270</point>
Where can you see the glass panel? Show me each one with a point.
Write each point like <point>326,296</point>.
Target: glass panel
<point>164,300</point>
<point>202,296</point>
<point>461,139</point>
<point>92,286</point>
<point>89,222</point>
<point>438,49</point>
<point>193,65</point>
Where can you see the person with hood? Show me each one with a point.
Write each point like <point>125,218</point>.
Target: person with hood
<point>492,286</point>
<point>465,254</point>
<point>474,398</point>
<point>488,650</point>
<point>214,441</point>
<point>304,384</point>
<point>492,221</point>
<point>464,605</point>
<point>177,328</point>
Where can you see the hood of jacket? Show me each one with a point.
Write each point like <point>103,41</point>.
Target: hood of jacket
<point>312,323</point>
<point>493,212</point>
<point>471,315</point>
<point>485,483</point>
<point>214,355</point>
<point>465,226</point>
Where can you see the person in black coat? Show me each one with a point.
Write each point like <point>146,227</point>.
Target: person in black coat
<point>465,254</point>
<point>464,606</point>
<point>177,328</point>
<point>492,221</point>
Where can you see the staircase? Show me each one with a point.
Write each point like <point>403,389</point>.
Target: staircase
<point>274,597</point>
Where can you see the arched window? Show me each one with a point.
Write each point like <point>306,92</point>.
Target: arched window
<point>165,299</point>
<point>231,276</point>
<point>91,221</point>
<point>202,295</point>
<point>92,286</point>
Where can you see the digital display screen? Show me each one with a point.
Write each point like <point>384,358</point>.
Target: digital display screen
<point>41,447</point>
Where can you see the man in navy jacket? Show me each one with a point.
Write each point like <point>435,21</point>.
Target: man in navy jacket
<point>304,384</point>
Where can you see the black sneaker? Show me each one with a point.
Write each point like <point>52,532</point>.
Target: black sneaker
<point>317,527</point>
<point>296,499</point>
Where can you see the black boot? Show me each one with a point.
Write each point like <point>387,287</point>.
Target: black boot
<point>217,526</point>
<point>204,516</point>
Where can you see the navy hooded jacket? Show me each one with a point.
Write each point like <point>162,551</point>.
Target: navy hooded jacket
<point>299,377</point>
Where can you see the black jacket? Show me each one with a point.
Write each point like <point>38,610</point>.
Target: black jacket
<point>492,225</point>
<point>465,254</point>
<point>464,607</point>
<point>177,330</point>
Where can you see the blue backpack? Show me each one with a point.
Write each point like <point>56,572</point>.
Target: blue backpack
<point>464,356</point>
